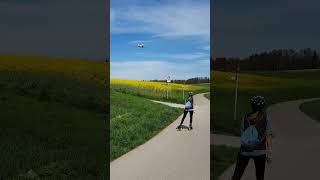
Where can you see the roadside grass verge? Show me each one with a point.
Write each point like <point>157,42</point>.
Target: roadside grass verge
<point>134,120</point>
<point>53,117</point>
<point>275,88</point>
<point>207,95</point>
<point>222,157</point>
<point>312,109</point>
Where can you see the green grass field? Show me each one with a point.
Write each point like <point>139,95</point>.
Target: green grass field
<point>207,95</point>
<point>312,109</point>
<point>274,86</point>
<point>222,157</point>
<point>134,120</point>
<point>307,75</point>
<point>53,118</point>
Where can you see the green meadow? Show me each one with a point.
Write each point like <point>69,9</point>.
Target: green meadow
<point>312,109</point>
<point>274,86</point>
<point>222,157</point>
<point>298,74</point>
<point>207,95</point>
<point>53,118</point>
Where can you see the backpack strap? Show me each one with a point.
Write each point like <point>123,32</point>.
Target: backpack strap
<point>246,122</point>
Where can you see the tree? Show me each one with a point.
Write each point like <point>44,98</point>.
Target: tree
<point>315,60</point>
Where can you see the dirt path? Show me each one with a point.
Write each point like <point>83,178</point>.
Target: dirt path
<point>172,154</point>
<point>296,145</point>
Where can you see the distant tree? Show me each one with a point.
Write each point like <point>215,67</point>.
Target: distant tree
<point>274,60</point>
<point>315,60</point>
<point>195,80</point>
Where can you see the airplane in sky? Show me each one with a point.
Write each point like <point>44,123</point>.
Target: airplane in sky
<point>140,45</point>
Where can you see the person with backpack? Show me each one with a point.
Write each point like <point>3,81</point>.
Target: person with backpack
<point>256,140</point>
<point>188,108</point>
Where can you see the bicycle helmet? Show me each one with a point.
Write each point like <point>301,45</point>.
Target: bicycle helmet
<point>258,102</point>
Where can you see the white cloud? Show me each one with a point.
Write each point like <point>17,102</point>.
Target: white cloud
<point>206,48</point>
<point>140,41</point>
<point>170,20</point>
<point>196,56</point>
<point>188,56</point>
<point>148,70</point>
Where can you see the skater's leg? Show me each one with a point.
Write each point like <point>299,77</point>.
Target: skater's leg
<point>184,116</point>
<point>191,115</point>
<point>260,163</point>
<point>242,162</point>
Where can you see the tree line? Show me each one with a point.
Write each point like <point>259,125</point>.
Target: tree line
<point>195,80</point>
<point>274,60</point>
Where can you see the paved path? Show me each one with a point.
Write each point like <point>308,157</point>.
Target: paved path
<point>296,146</point>
<point>172,154</point>
<point>169,104</point>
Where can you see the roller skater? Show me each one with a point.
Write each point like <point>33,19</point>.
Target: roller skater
<point>188,108</point>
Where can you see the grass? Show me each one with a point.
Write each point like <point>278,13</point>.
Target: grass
<point>222,157</point>
<point>275,86</point>
<point>134,120</point>
<point>53,117</point>
<point>157,90</point>
<point>307,75</point>
<point>207,95</point>
<point>311,109</point>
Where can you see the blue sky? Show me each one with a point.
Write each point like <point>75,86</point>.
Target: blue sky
<point>176,35</point>
<point>77,28</point>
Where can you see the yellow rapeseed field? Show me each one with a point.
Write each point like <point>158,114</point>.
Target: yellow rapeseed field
<point>156,90</point>
<point>155,86</point>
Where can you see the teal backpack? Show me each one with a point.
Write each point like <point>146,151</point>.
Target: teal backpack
<point>249,138</point>
<point>253,135</point>
<point>188,105</point>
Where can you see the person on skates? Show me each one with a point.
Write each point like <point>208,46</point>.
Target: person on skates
<point>256,140</point>
<point>188,108</point>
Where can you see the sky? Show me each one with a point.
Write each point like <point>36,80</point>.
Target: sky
<point>176,35</point>
<point>63,28</point>
<point>243,27</point>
